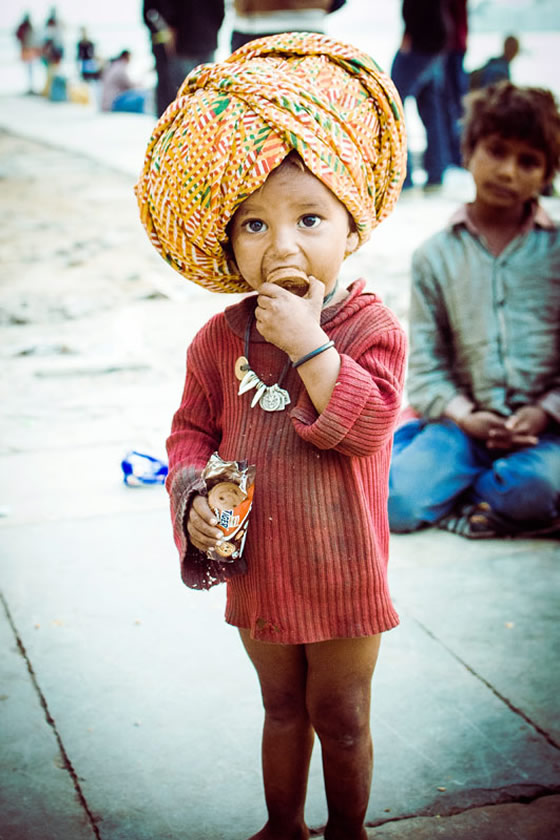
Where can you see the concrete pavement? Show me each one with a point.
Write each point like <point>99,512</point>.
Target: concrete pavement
<point>128,709</point>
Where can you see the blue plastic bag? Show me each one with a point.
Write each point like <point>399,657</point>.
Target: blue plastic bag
<point>139,469</point>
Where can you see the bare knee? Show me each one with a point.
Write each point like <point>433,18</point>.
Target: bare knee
<point>342,721</point>
<point>285,709</point>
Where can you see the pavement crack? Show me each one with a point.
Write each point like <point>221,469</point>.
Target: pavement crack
<point>517,711</point>
<point>66,763</point>
<point>498,797</point>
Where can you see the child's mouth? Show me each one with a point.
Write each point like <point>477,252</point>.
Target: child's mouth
<point>292,279</point>
<point>502,192</point>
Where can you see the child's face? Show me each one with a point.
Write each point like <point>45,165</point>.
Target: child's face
<point>507,172</point>
<point>292,221</point>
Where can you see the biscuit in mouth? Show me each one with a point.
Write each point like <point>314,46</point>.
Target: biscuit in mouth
<point>291,279</point>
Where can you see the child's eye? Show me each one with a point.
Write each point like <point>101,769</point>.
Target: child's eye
<point>310,221</point>
<point>497,150</point>
<point>529,161</point>
<point>254,226</point>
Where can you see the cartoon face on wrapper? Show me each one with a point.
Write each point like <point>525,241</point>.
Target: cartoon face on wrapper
<point>225,496</point>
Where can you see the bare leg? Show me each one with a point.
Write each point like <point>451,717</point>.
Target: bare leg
<point>287,736</point>
<point>338,699</point>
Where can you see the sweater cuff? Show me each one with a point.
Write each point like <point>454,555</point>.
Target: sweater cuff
<point>350,394</point>
<point>197,570</point>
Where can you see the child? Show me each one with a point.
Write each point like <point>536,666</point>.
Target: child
<point>285,156</point>
<point>496,69</point>
<point>483,457</point>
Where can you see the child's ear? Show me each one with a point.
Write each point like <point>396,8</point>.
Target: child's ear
<point>352,241</point>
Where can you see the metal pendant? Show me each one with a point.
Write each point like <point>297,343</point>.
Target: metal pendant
<point>269,397</point>
<point>274,399</point>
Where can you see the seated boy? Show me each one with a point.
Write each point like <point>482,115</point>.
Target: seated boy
<point>483,456</point>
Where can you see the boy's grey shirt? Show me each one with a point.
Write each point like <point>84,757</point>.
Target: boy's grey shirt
<point>485,329</point>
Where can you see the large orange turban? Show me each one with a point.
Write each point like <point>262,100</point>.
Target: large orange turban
<point>233,122</point>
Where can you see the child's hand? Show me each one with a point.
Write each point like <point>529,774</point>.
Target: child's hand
<point>291,322</point>
<point>482,424</point>
<point>498,432</point>
<point>530,420</point>
<point>201,523</point>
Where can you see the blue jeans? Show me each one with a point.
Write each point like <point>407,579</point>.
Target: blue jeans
<point>171,72</point>
<point>433,464</point>
<point>456,87</point>
<point>131,101</point>
<point>421,75</point>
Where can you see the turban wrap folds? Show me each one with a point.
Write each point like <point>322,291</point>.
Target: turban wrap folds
<point>233,122</point>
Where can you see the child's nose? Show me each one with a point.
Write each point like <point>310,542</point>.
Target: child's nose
<point>283,241</point>
<point>508,166</point>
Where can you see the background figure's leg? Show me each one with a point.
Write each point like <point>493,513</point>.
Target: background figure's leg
<point>287,736</point>
<point>524,485</point>
<point>456,87</point>
<point>164,89</point>
<point>338,698</point>
<point>404,73</point>
<point>431,466</point>
<point>431,108</point>
<point>181,65</point>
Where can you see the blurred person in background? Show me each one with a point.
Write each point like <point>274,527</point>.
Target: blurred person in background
<point>118,91</point>
<point>52,48</point>
<point>418,71</point>
<point>481,458</point>
<point>57,81</point>
<point>29,50</point>
<point>88,64</point>
<point>257,18</point>
<point>53,36</point>
<point>184,34</point>
<point>456,80</point>
<point>496,69</point>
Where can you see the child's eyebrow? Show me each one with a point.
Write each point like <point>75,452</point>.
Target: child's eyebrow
<point>310,205</point>
<point>254,210</point>
<point>258,208</point>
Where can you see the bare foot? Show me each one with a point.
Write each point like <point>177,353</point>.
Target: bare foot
<point>335,835</point>
<point>271,833</point>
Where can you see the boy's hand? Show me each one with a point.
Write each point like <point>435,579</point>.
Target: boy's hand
<point>530,420</point>
<point>291,322</point>
<point>201,524</point>
<point>482,425</point>
<point>521,429</point>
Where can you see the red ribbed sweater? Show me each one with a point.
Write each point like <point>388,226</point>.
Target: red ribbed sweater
<point>317,544</point>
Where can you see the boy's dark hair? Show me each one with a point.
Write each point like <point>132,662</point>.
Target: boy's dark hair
<point>522,113</point>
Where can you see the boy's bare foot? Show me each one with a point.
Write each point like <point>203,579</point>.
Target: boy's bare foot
<point>335,835</point>
<point>281,833</point>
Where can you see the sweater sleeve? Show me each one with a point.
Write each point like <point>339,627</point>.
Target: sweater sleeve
<point>363,409</point>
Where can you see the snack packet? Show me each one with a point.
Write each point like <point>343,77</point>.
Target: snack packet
<point>230,486</point>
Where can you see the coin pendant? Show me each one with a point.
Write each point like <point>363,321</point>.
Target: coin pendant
<point>285,398</point>
<point>241,367</point>
<point>274,399</point>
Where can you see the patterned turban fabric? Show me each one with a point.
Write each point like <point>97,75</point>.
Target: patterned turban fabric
<point>233,122</point>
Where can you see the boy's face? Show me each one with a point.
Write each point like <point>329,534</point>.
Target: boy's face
<point>507,172</point>
<point>292,221</point>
